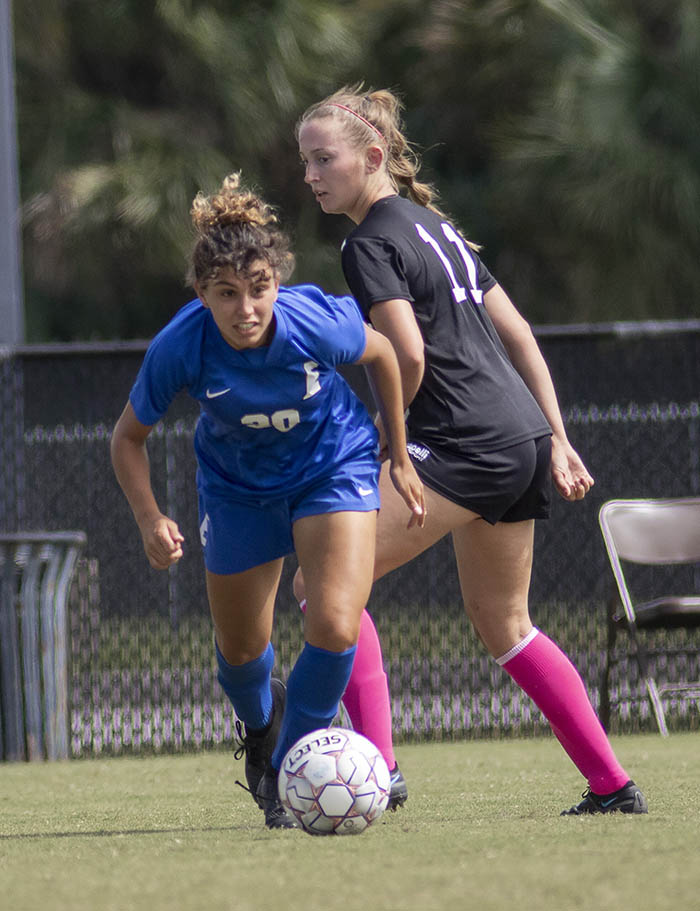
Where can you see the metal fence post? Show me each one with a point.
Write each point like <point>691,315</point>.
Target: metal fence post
<point>36,570</point>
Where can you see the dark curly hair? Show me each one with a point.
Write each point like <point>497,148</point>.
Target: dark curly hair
<point>234,228</point>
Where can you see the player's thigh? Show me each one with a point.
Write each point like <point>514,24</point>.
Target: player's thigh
<point>495,564</point>
<point>336,556</point>
<point>397,544</point>
<point>242,608</point>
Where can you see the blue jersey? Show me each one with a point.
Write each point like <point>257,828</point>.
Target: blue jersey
<point>272,419</point>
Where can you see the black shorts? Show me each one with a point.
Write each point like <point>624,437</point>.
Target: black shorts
<point>509,485</point>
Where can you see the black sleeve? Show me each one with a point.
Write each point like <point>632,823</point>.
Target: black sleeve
<point>374,271</point>
<point>486,280</point>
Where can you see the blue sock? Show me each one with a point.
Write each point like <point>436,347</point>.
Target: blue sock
<point>314,689</point>
<point>248,687</point>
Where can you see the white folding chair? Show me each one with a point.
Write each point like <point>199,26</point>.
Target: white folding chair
<point>653,533</point>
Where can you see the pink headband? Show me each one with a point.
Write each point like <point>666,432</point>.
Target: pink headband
<point>344,107</point>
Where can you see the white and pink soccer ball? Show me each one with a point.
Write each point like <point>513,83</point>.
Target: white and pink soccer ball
<point>334,782</point>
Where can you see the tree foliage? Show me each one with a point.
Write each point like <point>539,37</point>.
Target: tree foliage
<point>564,135</point>
<point>609,210</point>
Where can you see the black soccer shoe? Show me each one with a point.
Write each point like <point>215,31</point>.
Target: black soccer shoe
<point>398,795</point>
<point>259,747</point>
<point>628,799</point>
<point>276,817</point>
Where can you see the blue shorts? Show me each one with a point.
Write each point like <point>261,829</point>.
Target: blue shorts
<point>237,536</point>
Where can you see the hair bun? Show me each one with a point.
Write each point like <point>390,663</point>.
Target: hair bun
<point>230,205</point>
<point>234,228</point>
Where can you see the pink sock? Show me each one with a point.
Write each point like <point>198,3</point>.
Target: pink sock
<point>544,672</point>
<point>366,697</point>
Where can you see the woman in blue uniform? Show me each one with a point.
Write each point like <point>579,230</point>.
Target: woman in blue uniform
<point>287,461</point>
<point>485,430</point>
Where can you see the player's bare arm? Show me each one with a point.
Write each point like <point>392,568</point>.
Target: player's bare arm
<point>383,367</point>
<point>570,476</point>
<point>395,320</point>
<point>162,540</point>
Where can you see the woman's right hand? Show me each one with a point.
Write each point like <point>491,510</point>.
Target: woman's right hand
<point>162,541</point>
<point>409,485</point>
<point>383,442</point>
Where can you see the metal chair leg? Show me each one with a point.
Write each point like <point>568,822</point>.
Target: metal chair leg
<point>650,683</point>
<point>657,706</point>
<point>604,708</point>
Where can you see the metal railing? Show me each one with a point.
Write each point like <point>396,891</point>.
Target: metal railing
<point>36,570</point>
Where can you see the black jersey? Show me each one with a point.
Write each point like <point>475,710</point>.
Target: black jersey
<point>471,399</point>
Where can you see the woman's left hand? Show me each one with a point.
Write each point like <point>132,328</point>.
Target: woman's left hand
<point>409,485</point>
<point>570,476</point>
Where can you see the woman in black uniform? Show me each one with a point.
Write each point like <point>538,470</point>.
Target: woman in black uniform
<point>484,427</point>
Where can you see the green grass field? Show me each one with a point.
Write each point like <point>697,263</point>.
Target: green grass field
<point>481,830</point>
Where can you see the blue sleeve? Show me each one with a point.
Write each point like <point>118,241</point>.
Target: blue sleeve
<point>333,327</point>
<point>351,333</point>
<point>161,377</point>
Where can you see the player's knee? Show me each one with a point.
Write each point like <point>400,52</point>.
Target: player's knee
<point>498,627</point>
<point>342,635</point>
<point>335,633</point>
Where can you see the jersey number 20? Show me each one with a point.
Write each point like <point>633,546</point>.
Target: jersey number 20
<point>287,418</point>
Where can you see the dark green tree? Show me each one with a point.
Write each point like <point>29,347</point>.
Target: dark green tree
<point>599,184</point>
<point>126,109</point>
<point>564,136</point>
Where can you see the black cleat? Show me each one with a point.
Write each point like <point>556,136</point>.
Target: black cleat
<point>276,817</point>
<point>398,795</point>
<point>628,799</point>
<point>258,748</point>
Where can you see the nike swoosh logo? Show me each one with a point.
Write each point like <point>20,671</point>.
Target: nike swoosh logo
<point>364,492</point>
<point>215,395</point>
<point>606,803</point>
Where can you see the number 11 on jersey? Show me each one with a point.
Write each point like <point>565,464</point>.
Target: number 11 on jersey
<point>459,292</point>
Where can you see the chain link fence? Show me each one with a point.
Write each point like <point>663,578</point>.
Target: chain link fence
<point>141,669</point>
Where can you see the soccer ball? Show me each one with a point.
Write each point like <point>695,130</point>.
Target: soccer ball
<point>334,782</point>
